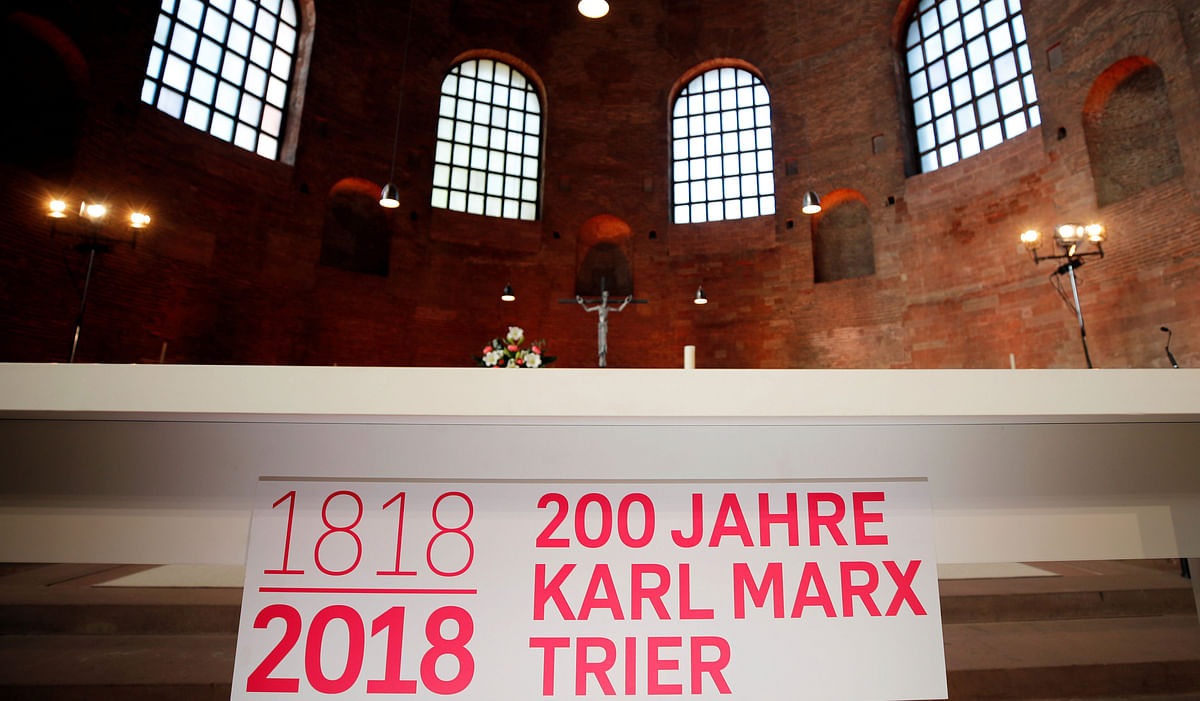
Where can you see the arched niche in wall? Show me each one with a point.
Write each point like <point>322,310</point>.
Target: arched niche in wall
<point>44,80</point>
<point>1130,130</point>
<point>356,236</point>
<point>842,244</point>
<point>602,257</point>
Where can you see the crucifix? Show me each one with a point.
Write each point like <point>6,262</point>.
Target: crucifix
<point>601,307</point>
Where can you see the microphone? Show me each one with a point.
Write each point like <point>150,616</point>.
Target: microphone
<point>1167,348</point>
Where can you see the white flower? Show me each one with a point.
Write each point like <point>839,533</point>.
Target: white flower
<point>516,334</point>
<point>490,359</point>
<point>533,360</point>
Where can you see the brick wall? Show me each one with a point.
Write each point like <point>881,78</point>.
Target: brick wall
<point>230,272</point>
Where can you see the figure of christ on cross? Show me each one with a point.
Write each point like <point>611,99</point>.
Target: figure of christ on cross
<point>602,325</point>
<point>602,308</point>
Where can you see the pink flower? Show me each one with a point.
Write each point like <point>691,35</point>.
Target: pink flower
<point>520,361</point>
<point>512,348</point>
<point>487,349</point>
<point>535,349</point>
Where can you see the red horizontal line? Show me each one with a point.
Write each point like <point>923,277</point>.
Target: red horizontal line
<point>337,590</point>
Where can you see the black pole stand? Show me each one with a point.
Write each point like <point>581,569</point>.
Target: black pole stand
<point>92,248</point>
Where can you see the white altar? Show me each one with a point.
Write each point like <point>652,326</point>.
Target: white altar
<point>158,463</point>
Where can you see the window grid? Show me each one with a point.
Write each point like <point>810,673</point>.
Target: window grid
<point>722,159</point>
<point>488,154</point>
<point>223,67</point>
<point>970,78</point>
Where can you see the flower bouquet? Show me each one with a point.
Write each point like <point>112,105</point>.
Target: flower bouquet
<point>507,352</point>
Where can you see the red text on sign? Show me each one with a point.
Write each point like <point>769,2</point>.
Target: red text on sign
<point>825,514</point>
<point>656,671</point>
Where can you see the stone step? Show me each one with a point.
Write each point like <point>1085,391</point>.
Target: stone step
<point>1091,658</point>
<point>991,608</point>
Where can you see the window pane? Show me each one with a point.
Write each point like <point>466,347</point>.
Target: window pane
<point>969,145</point>
<point>992,136</point>
<point>276,91</point>
<point>243,11</point>
<point>989,111</point>
<point>239,39</point>
<point>177,73</point>
<point>1015,125</point>
<point>272,120</point>
<point>925,140</point>
<point>957,63</point>
<point>154,67</point>
<point>965,119</point>
<point>170,102</point>
<point>183,41</point>
<point>233,69</point>
<point>256,80</point>
<point>267,146</point>
<point>203,85</point>
<point>209,56</point>
<point>227,98</point>
<point>190,11</point>
<point>196,115</point>
<point>250,110</point>
<point>265,26</point>
<point>221,127</point>
<point>1006,68</point>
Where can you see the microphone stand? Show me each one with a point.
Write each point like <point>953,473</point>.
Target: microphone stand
<point>1167,348</point>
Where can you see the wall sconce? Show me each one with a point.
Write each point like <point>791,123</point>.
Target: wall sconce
<point>700,297</point>
<point>1069,238</point>
<point>94,214</point>
<point>508,295</point>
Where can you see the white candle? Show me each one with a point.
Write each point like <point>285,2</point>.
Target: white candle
<point>689,357</point>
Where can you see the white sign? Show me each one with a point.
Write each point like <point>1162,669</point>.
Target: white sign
<point>525,590</point>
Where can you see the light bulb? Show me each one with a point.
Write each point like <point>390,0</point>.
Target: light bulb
<point>593,9</point>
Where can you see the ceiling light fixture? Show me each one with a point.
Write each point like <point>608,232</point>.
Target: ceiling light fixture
<point>389,197</point>
<point>593,9</point>
<point>811,204</point>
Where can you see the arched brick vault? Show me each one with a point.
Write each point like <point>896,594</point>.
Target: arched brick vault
<point>356,236</point>
<point>1130,131</point>
<point>46,80</point>
<point>843,247</point>
<point>604,254</point>
<point>231,269</point>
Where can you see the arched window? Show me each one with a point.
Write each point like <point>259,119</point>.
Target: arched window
<point>722,163</point>
<point>489,142</point>
<point>970,78</point>
<point>224,67</point>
